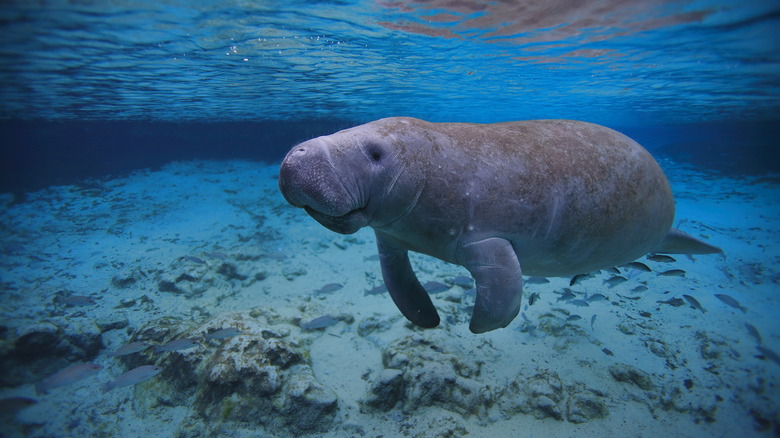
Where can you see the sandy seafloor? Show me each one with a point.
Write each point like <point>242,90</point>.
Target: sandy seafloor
<point>707,377</point>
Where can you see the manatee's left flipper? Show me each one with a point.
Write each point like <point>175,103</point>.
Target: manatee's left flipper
<point>406,291</point>
<point>677,242</point>
<point>495,268</point>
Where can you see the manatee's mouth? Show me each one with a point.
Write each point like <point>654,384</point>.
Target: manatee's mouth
<point>347,223</point>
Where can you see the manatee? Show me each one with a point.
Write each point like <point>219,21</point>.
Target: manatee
<point>549,198</point>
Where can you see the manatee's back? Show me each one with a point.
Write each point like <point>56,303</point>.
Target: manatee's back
<point>571,196</point>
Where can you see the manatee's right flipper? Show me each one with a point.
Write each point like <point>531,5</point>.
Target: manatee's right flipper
<point>677,242</point>
<point>495,268</point>
<point>405,290</point>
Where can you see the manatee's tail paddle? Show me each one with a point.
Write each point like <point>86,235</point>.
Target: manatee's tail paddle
<point>677,242</point>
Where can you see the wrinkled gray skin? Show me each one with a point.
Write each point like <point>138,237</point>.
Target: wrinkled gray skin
<point>555,197</point>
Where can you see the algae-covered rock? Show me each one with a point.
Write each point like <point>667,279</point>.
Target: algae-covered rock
<point>260,377</point>
<point>629,374</point>
<point>420,373</point>
<point>545,395</point>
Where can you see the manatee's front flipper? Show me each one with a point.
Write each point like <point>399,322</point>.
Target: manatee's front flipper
<point>494,266</point>
<point>405,290</point>
<point>677,242</point>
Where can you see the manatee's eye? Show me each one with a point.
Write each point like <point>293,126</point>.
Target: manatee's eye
<point>374,153</point>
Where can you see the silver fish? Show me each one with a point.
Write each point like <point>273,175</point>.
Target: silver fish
<point>694,303</point>
<point>661,258</point>
<point>639,266</point>
<point>319,323</point>
<point>193,259</point>
<point>434,287</point>
<point>614,281</point>
<point>376,291</point>
<point>328,288</point>
<point>596,297</point>
<point>66,376</point>
<point>731,302</point>
<point>579,278</point>
<point>573,318</point>
<point>640,288</point>
<point>176,345</point>
<point>579,303</point>
<point>133,347</point>
<point>462,281</point>
<point>136,375</point>
<point>536,280</point>
<point>675,302</point>
<point>673,273</point>
<point>769,354</point>
<point>224,333</point>
<point>592,320</point>
<point>533,298</point>
<point>753,332</point>
<point>566,295</point>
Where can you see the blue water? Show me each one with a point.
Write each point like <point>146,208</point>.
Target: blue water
<point>97,99</point>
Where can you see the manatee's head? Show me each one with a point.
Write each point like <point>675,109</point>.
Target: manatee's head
<point>367,175</point>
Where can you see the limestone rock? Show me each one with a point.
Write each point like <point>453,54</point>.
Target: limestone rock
<point>258,378</point>
<point>420,373</point>
<point>629,374</point>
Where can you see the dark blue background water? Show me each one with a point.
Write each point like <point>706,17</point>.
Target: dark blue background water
<point>99,89</point>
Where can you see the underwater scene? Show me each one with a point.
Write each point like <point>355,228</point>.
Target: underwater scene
<point>365,218</point>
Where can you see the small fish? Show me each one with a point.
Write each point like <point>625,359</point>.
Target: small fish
<point>629,298</point>
<point>375,291</point>
<point>731,302</point>
<point>533,298</point>
<point>176,345</point>
<point>320,322</point>
<point>639,266</point>
<point>579,303</point>
<point>328,288</point>
<point>673,273</point>
<point>136,375</point>
<point>753,332</point>
<point>607,351</point>
<point>579,278</point>
<point>595,297</point>
<point>462,281</point>
<point>640,288</point>
<point>573,318</point>
<point>133,347</point>
<point>193,259</point>
<point>12,405</point>
<point>76,300</point>
<point>224,333</point>
<point>660,258</point>
<point>536,280</point>
<point>70,374</point>
<point>769,354</point>
<point>613,270</point>
<point>674,302</point>
<point>615,280</point>
<point>434,287</point>
<point>216,255</point>
<point>566,295</point>
<point>592,320</point>
<point>694,303</point>
<point>371,258</point>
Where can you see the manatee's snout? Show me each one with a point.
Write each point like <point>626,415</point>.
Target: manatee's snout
<point>308,179</point>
